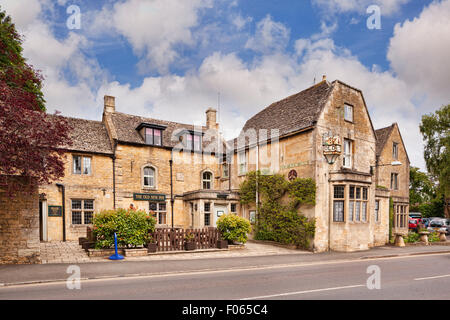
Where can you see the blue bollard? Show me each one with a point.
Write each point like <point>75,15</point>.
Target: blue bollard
<point>116,256</point>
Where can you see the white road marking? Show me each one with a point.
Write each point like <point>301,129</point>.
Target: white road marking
<point>435,277</point>
<point>303,292</point>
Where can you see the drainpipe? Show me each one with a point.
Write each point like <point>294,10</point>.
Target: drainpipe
<point>171,188</point>
<point>63,190</point>
<point>114,174</point>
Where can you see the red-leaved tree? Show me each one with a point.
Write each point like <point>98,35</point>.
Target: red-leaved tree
<point>30,139</point>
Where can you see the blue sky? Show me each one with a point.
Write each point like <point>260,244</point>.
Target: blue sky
<point>169,59</point>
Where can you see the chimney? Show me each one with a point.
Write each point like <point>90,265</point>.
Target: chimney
<point>110,104</point>
<point>324,78</point>
<point>211,119</point>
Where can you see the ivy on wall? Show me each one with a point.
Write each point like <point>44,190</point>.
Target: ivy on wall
<point>277,220</point>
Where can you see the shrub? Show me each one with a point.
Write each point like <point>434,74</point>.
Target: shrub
<point>433,237</point>
<point>412,237</point>
<point>234,228</point>
<point>132,227</point>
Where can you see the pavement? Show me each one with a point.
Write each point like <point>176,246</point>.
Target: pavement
<point>255,256</point>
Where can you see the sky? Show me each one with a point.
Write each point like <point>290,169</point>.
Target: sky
<point>173,59</point>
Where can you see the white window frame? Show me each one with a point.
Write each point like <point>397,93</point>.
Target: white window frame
<point>159,212</point>
<point>242,162</point>
<point>155,174</point>
<point>348,112</point>
<point>83,165</point>
<point>347,159</point>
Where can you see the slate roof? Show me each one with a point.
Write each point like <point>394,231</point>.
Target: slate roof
<point>382,137</point>
<point>294,113</point>
<point>125,128</point>
<point>87,135</point>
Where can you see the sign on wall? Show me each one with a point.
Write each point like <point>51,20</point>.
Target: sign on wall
<point>149,197</point>
<point>55,211</point>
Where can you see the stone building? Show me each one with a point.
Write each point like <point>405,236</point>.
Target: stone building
<point>325,133</point>
<point>188,176</point>
<point>393,174</point>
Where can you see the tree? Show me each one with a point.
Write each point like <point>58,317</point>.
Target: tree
<point>30,139</point>
<point>435,129</point>
<point>421,188</point>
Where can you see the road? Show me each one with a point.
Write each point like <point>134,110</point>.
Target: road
<point>419,277</point>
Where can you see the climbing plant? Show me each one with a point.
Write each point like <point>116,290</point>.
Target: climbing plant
<point>278,217</point>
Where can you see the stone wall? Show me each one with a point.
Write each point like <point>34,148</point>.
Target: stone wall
<point>19,223</point>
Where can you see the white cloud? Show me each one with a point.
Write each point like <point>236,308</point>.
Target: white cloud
<point>270,36</point>
<point>419,52</point>
<point>15,8</point>
<point>154,28</point>
<point>333,7</point>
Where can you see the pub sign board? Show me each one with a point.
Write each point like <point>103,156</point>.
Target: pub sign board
<point>55,211</point>
<point>149,197</point>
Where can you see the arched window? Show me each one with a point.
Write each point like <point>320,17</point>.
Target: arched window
<point>149,177</point>
<point>207,180</point>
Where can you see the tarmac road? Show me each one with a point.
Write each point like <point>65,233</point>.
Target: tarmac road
<point>418,277</point>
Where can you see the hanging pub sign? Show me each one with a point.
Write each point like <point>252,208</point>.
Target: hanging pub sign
<point>331,147</point>
<point>149,197</point>
<point>292,175</point>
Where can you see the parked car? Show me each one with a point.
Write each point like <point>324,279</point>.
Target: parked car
<point>426,222</point>
<point>415,215</point>
<point>440,225</point>
<point>413,224</point>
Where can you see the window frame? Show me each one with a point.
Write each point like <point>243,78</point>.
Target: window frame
<point>351,108</point>
<point>395,151</point>
<point>159,212</point>
<point>358,204</point>
<point>339,199</point>
<point>210,180</point>
<point>155,177</point>
<point>394,182</point>
<point>82,165</point>
<point>348,155</point>
<point>207,214</point>
<point>82,211</point>
<point>152,142</point>
<point>242,166</point>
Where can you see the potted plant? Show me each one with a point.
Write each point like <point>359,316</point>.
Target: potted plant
<point>222,244</point>
<point>189,243</point>
<point>151,245</point>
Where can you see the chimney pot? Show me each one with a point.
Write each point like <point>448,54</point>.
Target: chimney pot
<point>110,104</point>
<point>324,77</point>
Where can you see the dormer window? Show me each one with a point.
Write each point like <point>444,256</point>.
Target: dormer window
<point>192,140</point>
<point>151,133</point>
<point>153,136</point>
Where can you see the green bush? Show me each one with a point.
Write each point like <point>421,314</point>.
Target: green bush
<point>132,227</point>
<point>234,228</point>
<point>412,237</point>
<point>433,237</point>
<point>281,224</point>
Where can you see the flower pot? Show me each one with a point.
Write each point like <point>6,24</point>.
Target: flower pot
<point>151,247</point>
<point>88,245</point>
<point>222,244</point>
<point>189,246</point>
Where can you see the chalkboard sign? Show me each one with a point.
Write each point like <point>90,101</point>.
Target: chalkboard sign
<point>55,211</point>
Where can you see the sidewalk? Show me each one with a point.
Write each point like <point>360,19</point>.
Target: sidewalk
<point>24,274</point>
